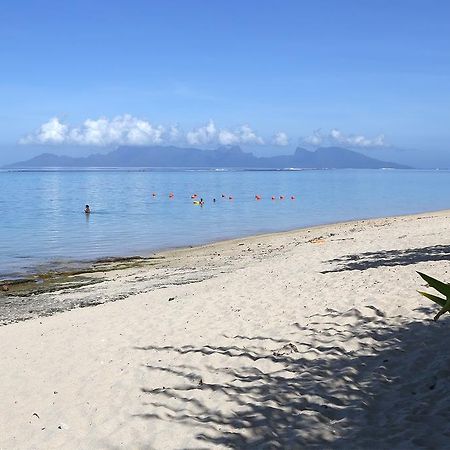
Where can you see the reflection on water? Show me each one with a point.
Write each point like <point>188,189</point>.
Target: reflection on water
<point>43,219</point>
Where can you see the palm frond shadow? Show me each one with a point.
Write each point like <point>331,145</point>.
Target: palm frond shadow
<point>372,260</point>
<point>320,391</point>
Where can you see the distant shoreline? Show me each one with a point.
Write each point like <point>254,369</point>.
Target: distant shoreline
<point>197,169</point>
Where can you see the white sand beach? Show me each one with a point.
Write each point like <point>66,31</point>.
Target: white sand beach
<point>309,338</point>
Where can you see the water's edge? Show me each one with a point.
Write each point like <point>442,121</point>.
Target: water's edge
<point>106,264</point>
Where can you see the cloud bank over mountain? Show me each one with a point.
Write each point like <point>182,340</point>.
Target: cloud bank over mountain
<point>121,130</point>
<point>129,130</point>
<point>210,134</point>
<point>337,137</point>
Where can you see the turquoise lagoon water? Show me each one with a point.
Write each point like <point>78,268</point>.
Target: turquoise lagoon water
<point>42,222</point>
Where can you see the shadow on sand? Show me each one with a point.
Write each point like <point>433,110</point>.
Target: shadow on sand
<point>323,391</point>
<point>372,260</point>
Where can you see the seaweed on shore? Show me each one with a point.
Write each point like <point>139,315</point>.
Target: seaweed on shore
<point>56,280</point>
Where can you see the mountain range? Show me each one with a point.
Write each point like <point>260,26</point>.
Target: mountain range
<point>222,157</point>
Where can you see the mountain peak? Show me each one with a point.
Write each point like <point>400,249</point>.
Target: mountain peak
<point>229,149</point>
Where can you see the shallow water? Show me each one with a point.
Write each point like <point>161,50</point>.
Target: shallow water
<point>43,223</point>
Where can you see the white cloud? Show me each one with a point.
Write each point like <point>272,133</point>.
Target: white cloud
<point>226,137</point>
<point>129,130</point>
<point>210,134</point>
<point>203,135</point>
<point>337,137</point>
<point>314,139</point>
<point>51,132</point>
<point>174,133</point>
<point>121,130</point>
<point>248,136</point>
<point>281,139</point>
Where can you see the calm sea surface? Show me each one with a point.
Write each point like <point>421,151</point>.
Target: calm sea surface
<point>42,222</point>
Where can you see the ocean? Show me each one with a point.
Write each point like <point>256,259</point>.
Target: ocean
<point>43,225</point>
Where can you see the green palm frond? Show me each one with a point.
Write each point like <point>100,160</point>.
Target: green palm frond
<point>442,288</point>
<point>440,301</point>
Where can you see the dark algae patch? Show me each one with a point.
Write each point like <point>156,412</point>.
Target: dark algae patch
<point>46,293</point>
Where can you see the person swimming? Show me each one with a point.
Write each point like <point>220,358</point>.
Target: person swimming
<point>87,210</point>
<point>199,202</point>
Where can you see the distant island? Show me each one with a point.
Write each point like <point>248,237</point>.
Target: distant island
<point>223,157</point>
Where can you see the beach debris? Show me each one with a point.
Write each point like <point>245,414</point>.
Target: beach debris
<point>317,240</point>
<point>287,349</point>
<point>171,299</point>
<point>378,312</point>
<point>35,415</point>
<point>442,288</point>
<point>5,288</point>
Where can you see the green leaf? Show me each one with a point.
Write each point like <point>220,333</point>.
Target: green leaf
<point>440,301</point>
<point>441,287</point>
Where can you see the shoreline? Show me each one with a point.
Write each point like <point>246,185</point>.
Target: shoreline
<point>52,292</point>
<point>78,267</point>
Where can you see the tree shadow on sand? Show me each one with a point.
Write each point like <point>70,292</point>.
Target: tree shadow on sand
<point>322,391</point>
<point>372,260</point>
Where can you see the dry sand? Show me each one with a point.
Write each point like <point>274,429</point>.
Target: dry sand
<point>311,338</point>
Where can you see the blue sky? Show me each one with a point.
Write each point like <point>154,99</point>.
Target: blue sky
<point>370,74</point>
